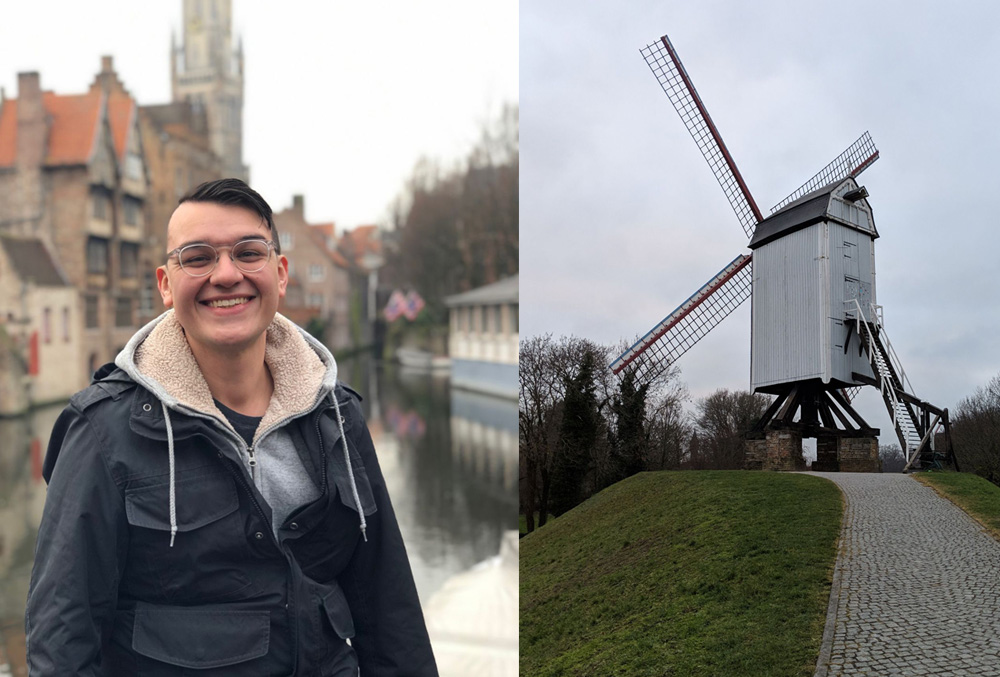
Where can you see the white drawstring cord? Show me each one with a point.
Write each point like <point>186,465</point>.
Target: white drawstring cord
<point>350,471</point>
<point>170,454</point>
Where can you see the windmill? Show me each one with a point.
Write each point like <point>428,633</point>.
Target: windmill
<point>817,333</point>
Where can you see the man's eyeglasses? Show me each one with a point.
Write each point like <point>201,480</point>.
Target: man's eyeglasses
<point>199,260</point>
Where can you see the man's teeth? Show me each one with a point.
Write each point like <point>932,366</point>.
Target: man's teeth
<point>228,303</point>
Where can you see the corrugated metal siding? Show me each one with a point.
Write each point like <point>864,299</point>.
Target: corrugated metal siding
<point>788,315</point>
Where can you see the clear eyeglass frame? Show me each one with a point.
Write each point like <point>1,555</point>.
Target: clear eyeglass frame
<point>242,265</point>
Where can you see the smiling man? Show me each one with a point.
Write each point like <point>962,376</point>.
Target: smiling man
<point>215,503</point>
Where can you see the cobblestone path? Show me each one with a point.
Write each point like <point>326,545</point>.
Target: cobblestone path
<point>916,586</point>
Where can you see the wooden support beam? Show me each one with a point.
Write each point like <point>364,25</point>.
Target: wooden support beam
<point>842,401</point>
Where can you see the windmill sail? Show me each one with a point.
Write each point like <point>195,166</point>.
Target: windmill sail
<point>858,157</point>
<point>669,71</point>
<point>689,322</point>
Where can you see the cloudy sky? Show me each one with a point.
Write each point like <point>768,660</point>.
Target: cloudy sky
<point>341,98</point>
<point>621,218</point>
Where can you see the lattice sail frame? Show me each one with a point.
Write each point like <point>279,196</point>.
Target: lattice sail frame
<point>858,157</point>
<point>669,72</point>
<point>689,322</point>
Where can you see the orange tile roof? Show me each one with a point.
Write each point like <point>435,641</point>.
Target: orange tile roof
<point>121,114</point>
<point>8,132</point>
<point>74,119</point>
<point>362,240</point>
<point>74,127</point>
<point>328,229</point>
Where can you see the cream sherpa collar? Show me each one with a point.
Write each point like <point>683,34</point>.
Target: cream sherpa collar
<point>165,357</point>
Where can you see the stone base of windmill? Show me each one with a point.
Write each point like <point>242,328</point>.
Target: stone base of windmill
<point>859,454</point>
<point>847,454</point>
<point>774,450</point>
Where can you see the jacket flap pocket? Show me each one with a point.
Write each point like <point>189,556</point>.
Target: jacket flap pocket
<point>364,489</point>
<point>338,613</point>
<point>197,638</point>
<point>199,501</point>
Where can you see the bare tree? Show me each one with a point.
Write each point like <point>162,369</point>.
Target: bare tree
<point>723,418</point>
<point>975,431</point>
<point>891,457</point>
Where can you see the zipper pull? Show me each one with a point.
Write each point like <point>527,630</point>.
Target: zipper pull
<point>253,463</point>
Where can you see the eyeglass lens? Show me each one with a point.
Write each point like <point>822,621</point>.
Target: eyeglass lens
<point>248,255</point>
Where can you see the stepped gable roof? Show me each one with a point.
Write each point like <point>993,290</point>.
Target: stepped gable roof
<point>807,210</point>
<point>73,126</point>
<point>33,262</point>
<point>501,291</point>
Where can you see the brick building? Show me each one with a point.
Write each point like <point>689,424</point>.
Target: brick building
<point>362,248</point>
<point>318,279</point>
<point>73,175</point>
<point>39,327</point>
<point>179,157</point>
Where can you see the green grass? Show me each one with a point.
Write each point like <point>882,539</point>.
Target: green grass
<point>979,497</point>
<point>682,573</point>
<point>522,521</point>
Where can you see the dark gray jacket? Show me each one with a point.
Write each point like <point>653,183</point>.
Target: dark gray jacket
<point>110,594</point>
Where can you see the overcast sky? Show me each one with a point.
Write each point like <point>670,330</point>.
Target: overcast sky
<point>341,98</point>
<point>621,218</point>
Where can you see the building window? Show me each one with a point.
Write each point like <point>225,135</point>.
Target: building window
<point>130,261</point>
<point>100,201</point>
<point>47,325</point>
<point>133,166</point>
<point>92,320</point>
<point>146,294</point>
<point>123,312</point>
<point>287,242</point>
<point>315,300</point>
<point>131,208</point>
<point>514,318</point>
<point>97,255</point>
<point>316,272</point>
<point>481,311</point>
<point>497,320</point>
<point>65,324</point>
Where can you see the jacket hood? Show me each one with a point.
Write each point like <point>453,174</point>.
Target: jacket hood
<point>159,358</point>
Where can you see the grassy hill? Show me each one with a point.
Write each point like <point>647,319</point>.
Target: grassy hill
<point>975,495</point>
<point>682,573</point>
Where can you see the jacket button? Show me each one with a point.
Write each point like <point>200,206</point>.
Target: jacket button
<point>293,526</point>
<point>259,536</point>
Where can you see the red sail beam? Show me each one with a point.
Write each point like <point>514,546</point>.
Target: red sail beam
<point>669,72</point>
<point>687,311</point>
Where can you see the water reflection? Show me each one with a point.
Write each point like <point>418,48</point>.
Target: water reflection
<point>451,471</point>
<point>22,496</point>
<point>448,456</point>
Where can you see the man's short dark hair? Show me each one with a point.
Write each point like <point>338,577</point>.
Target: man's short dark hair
<point>235,193</point>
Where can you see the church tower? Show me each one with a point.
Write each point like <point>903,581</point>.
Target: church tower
<point>208,72</point>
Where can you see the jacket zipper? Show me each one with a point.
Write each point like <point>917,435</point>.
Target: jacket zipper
<point>253,464</point>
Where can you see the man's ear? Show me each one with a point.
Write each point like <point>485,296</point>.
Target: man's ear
<point>163,284</point>
<point>282,276</point>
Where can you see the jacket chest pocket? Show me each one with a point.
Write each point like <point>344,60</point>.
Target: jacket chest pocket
<point>333,529</point>
<point>208,559</point>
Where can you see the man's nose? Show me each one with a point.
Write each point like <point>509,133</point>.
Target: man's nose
<point>226,274</point>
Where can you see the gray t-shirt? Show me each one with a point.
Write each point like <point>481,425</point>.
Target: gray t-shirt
<point>280,476</point>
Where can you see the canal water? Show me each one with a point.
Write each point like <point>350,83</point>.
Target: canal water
<point>449,458</point>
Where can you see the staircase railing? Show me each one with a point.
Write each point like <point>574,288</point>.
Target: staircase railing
<point>891,377</point>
